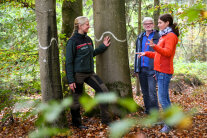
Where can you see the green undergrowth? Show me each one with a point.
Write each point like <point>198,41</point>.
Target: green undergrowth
<point>192,70</point>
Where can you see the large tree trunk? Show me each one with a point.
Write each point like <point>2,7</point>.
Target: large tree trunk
<point>49,53</point>
<point>70,10</point>
<point>113,65</point>
<point>156,12</point>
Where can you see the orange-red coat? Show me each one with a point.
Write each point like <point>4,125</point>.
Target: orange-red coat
<point>164,53</point>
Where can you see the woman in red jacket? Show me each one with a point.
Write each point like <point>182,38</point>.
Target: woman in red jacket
<point>163,58</point>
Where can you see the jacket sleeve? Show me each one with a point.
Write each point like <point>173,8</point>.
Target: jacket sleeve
<point>70,57</point>
<point>99,49</point>
<point>170,45</point>
<point>150,54</point>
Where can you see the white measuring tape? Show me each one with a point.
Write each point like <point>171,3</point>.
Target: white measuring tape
<point>108,32</point>
<point>46,47</point>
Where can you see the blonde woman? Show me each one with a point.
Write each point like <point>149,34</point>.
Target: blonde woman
<point>80,68</point>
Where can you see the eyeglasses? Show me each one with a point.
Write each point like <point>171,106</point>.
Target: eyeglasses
<point>148,24</point>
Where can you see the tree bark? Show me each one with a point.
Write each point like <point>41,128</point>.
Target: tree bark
<point>70,10</point>
<point>113,65</point>
<point>140,16</point>
<point>139,31</point>
<point>156,13</point>
<point>203,43</point>
<point>49,53</point>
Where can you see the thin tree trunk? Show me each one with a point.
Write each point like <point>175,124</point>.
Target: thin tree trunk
<point>203,43</point>
<point>191,36</point>
<point>49,53</point>
<point>139,31</point>
<point>113,65</point>
<point>70,10</point>
<point>140,17</point>
<point>156,13</point>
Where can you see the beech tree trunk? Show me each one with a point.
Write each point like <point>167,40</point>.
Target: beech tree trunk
<point>70,10</point>
<point>49,53</point>
<point>113,65</point>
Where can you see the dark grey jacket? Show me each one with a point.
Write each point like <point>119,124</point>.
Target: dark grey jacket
<point>137,62</point>
<point>79,55</point>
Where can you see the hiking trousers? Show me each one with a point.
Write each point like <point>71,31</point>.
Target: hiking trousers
<point>97,84</point>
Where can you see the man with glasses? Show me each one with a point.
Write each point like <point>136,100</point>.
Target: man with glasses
<point>144,66</point>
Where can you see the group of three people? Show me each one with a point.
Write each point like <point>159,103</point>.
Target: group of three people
<point>153,63</point>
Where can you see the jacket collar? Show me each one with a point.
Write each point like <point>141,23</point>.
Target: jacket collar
<point>81,36</point>
<point>142,34</point>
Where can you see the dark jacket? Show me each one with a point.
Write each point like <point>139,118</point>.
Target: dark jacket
<point>137,62</point>
<point>79,55</point>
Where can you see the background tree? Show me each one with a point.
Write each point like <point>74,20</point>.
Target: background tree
<point>113,65</point>
<point>49,53</point>
<point>139,31</point>
<point>156,12</point>
<point>139,16</point>
<point>203,43</point>
<point>70,10</point>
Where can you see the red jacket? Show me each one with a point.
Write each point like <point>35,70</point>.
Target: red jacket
<point>165,51</point>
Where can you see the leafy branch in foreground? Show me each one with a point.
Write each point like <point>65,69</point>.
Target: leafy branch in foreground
<point>49,112</point>
<point>173,116</point>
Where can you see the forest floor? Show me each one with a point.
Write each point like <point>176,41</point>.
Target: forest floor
<point>189,98</point>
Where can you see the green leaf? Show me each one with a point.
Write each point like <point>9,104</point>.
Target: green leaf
<point>44,132</point>
<point>119,128</point>
<point>52,112</point>
<point>87,102</point>
<point>128,103</point>
<point>62,36</point>
<point>151,119</point>
<point>66,102</point>
<point>89,2</point>
<point>106,97</point>
<point>42,107</point>
<point>173,115</point>
<point>193,13</point>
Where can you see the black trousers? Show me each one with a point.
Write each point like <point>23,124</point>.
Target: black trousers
<point>97,84</point>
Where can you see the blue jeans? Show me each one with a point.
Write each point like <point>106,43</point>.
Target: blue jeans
<point>163,81</point>
<point>148,87</point>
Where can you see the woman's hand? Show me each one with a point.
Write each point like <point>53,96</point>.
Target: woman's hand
<point>140,54</point>
<point>151,44</point>
<point>106,41</point>
<point>72,86</point>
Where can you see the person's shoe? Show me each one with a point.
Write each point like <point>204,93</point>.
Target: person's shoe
<point>165,129</point>
<point>82,127</point>
<point>146,112</point>
<point>106,123</point>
